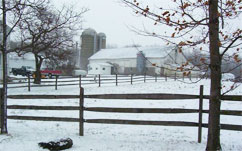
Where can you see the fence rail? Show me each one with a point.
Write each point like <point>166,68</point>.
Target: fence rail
<point>43,96</point>
<point>88,80</point>
<point>122,110</point>
<point>36,118</point>
<point>158,96</point>
<point>32,107</point>
<point>155,96</point>
<point>139,122</point>
<point>141,110</point>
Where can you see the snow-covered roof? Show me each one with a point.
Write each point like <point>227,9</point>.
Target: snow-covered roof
<point>131,52</point>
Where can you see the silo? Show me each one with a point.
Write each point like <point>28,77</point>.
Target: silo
<point>88,46</point>
<point>101,41</point>
<point>141,63</point>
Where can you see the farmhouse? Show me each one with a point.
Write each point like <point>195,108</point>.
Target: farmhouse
<point>138,60</point>
<point>16,61</point>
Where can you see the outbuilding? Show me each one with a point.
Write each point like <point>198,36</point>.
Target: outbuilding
<point>153,60</point>
<point>101,68</point>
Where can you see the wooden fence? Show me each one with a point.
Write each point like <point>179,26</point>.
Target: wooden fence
<point>81,108</point>
<point>98,80</point>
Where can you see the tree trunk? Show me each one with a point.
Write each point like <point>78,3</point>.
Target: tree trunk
<point>38,62</point>
<point>213,140</point>
<point>5,71</point>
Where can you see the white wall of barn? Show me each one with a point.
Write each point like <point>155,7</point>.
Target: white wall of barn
<point>161,65</point>
<point>99,68</point>
<point>121,62</point>
<point>157,64</point>
<point>127,63</point>
<point>132,62</point>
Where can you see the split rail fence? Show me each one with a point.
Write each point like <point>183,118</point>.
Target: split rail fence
<point>98,80</point>
<point>81,108</point>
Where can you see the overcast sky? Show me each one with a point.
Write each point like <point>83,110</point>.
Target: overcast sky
<point>114,19</point>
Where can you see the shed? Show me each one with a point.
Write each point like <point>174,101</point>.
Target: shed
<point>100,68</point>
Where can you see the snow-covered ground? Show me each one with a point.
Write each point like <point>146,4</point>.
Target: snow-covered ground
<point>25,135</point>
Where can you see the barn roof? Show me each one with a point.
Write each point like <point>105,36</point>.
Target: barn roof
<point>131,52</point>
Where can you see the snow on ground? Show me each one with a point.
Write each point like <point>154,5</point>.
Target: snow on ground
<point>25,135</point>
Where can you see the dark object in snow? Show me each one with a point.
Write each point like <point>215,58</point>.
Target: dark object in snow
<point>57,145</point>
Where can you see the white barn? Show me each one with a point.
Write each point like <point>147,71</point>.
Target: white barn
<point>100,68</point>
<point>138,60</point>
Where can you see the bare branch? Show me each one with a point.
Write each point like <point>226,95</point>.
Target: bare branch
<point>230,45</point>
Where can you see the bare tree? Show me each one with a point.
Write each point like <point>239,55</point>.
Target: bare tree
<point>47,32</point>
<point>64,60</point>
<point>210,18</point>
<point>16,13</point>
<point>8,13</point>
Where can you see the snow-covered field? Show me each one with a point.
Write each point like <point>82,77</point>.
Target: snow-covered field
<point>25,135</point>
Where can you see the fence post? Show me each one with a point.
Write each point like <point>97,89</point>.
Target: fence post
<point>200,114</point>
<point>166,77</point>
<point>155,77</point>
<point>80,81</point>
<point>131,79</point>
<point>81,122</point>
<point>28,82</point>
<point>3,114</point>
<point>56,79</point>
<point>175,76</point>
<point>116,80</point>
<point>144,77</point>
<point>99,82</point>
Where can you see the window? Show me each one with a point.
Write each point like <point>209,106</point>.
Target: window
<point>96,68</point>
<point>89,68</point>
<point>103,68</point>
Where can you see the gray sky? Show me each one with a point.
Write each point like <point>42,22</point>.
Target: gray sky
<point>113,18</point>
